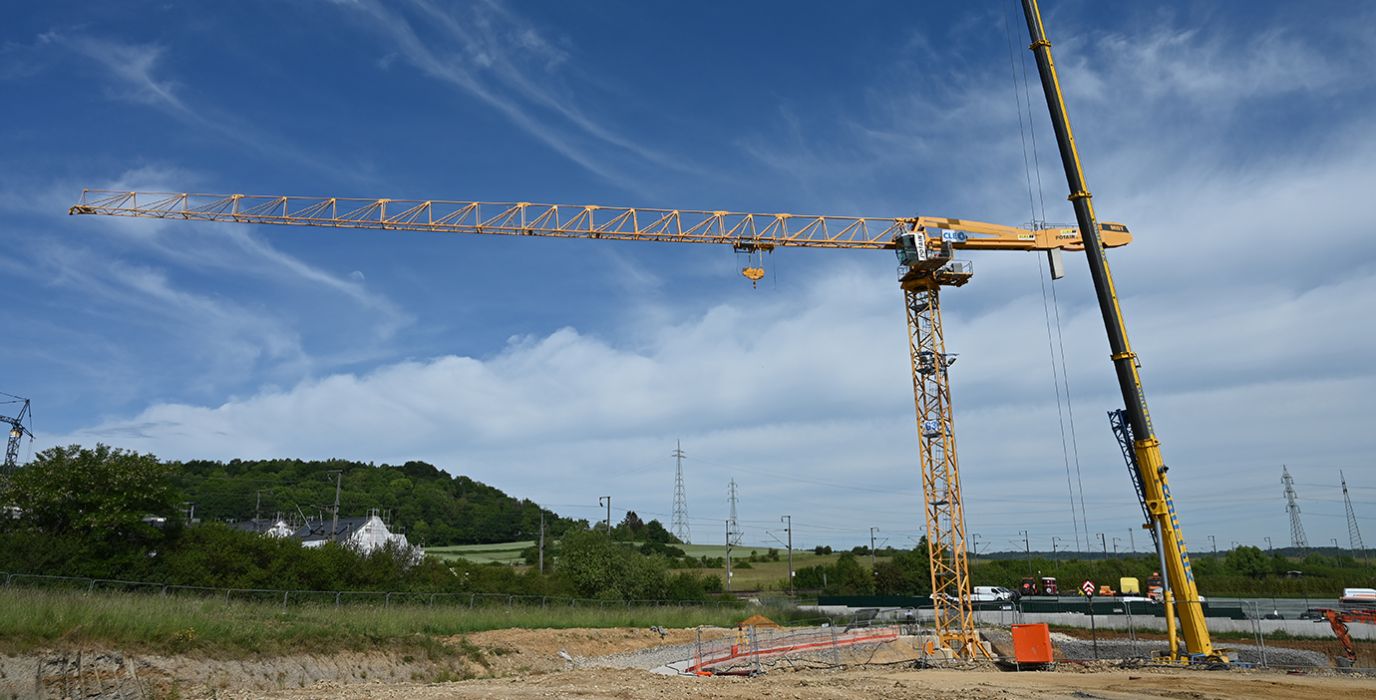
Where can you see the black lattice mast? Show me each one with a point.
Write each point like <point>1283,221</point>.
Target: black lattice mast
<point>680,524</point>
<point>1297,538</point>
<point>1354,535</point>
<point>18,430</point>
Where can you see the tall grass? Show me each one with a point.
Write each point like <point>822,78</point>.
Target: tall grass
<point>32,619</point>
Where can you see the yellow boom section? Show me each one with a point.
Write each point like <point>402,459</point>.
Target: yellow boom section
<point>758,231</point>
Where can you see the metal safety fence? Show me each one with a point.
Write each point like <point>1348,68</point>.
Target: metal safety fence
<point>750,650</point>
<point>1270,633</point>
<point>301,597</point>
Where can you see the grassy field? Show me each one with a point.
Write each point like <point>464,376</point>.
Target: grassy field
<point>761,575</point>
<point>32,619</point>
<point>501,552</point>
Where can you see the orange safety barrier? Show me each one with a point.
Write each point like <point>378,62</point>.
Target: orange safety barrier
<point>1032,644</point>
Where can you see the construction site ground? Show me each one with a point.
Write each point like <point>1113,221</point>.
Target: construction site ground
<point>871,683</point>
<point>617,663</point>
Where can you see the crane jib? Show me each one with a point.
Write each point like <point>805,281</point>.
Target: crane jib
<point>744,230</point>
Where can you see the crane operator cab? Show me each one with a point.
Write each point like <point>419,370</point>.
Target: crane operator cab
<point>929,256</point>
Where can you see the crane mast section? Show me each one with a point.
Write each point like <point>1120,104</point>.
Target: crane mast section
<point>746,230</point>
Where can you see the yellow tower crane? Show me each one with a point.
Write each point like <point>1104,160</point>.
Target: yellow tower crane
<point>925,247</point>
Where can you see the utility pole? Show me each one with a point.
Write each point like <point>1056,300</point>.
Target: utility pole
<point>1132,541</point>
<point>1213,543</point>
<point>608,500</point>
<point>1270,549</point>
<point>1054,541</point>
<point>976,543</point>
<point>1116,540</point>
<point>872,559</point>
<point>1297,538</point>
<point>1335,543</point>
<point>680,524</point>
<point>1103,543</point>
<point>1354,535</point>
<point>787,520</point>
<point>1027,546</point>
<point>542,540</point>
<point>334,522</point>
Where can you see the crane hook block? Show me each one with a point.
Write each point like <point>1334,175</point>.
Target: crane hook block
<point>754,274</point>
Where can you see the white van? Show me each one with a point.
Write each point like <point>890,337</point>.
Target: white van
<point>985,594</point>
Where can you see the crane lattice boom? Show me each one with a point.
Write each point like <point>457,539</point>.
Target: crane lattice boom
<point>591,221</point>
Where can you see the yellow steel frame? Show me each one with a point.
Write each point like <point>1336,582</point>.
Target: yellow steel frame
<point>920,278</point>
<point>943,505</point>
<point>746,230</point>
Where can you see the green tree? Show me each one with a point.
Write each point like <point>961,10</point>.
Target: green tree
<point>100,493</point>
<point>849,578</point>
<point>596,567</point>
<point>1248,561</point>
<point>655,532</point>
<point>905,573</point>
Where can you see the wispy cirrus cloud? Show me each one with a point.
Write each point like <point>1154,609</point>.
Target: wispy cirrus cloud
<point>490,53</point>
<point>139,73</point>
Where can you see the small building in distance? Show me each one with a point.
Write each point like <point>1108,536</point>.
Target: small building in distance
<point>364,534</point>
<point>269,528</point>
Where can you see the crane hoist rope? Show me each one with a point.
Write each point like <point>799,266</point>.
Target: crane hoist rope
<point>925,247</point>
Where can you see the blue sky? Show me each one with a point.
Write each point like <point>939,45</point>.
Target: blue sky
<point>1236,140</point>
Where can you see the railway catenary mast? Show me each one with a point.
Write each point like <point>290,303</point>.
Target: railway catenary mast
<point>1146,447</point>
<point>925,247</point>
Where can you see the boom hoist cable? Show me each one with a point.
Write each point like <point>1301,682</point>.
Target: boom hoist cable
<point>1059,375</point>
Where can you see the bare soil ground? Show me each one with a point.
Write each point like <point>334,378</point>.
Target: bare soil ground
<point>525,663</point>
<point>869,684</point>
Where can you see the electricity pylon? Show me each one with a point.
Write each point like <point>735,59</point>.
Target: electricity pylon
<point>680,524</point>
<point>1297,538</point>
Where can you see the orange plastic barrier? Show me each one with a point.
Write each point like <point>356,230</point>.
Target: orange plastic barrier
<point>1032,643</point>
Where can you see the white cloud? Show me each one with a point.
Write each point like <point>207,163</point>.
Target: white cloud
<point>804,399</point>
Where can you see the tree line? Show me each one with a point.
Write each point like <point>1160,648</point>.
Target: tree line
<point>84,512</point>
<point>418,499</point>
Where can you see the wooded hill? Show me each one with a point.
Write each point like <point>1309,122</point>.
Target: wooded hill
<point>431,507</point>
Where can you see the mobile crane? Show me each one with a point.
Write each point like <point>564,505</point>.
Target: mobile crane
<point>1154,490</point>
<point>925,247</point>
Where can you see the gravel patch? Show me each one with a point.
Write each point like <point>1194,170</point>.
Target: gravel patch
<point>1077,649</point>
